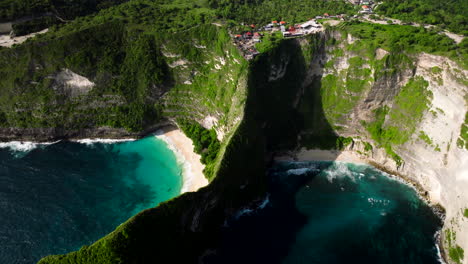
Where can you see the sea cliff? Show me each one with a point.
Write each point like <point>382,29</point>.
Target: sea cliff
<point>355,87</point>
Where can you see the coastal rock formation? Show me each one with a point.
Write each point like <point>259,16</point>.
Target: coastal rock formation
<point>422,99</point>
<point>401,109</point>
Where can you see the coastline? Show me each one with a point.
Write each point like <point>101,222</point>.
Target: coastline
<point>178,143</point>
<point>354,157</point>
<point>182,146</point>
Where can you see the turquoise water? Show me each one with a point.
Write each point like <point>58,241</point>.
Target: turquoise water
<point>56,198</point>
<point>332,213</point>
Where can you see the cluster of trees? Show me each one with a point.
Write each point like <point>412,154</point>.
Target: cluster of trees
<point>407,39</point>
<point>66,9</point>
<point>118,49</point>
<point>34,25</point>
<point>450,14</point>
<point>264,11</point>
<point>205,141</point>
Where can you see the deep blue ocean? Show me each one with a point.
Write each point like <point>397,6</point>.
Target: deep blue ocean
<point>56,198</point>
<point>331,213</point>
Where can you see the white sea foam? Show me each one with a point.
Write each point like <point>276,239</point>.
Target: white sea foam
<point>265,202</point>
<point>439,255</point>
<point>247,211</point>
<point>299,171</point>
<point>242,212</point>
<point>91,141</point>
<point>380,202</point>
<point>187,174</point>
<point>24,146</point>
<point>305,167</point>
<point>338,170</point>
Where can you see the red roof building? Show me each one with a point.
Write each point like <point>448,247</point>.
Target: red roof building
<point>291,29</point>
<point>282,22</point>
<point>249,33</point>
<point>252,26</point>
<point>365,7</point>
<point>274,22</point>
<point>326,14</point>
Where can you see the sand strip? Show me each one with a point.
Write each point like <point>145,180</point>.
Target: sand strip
<point>323,155</point>
<point>192,168</point>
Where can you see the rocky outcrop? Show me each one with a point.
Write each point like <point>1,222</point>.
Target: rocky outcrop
<point>429,156</point>
<point>53,134</point>
<point>72,84</point>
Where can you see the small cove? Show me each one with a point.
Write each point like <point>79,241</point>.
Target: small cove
<point>54,198</point>
<point>333,212</point>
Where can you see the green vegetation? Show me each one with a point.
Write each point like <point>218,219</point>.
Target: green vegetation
<point>264,11</point>
<point>66,9</point>
<point>343,142</point>
<point>155,60</point>
<point>269,41</point>
<point>436,70</point>
<point>465,213</point>
<point>240,162</point>
<point>341,91</point>
<point>395,126</point>
<point>103,51</point>
<point>447,14</point>
<point>34,25</point>
<point>462,141</point>
<point>409,39</point>
<point>205,142</point>
<point>424,137</point>
<point>120,49</point>
<point>367,146</point>
<point>456,253</point>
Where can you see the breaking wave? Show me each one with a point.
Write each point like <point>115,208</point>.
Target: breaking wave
<point>91,141</point>
<point>21,148</point>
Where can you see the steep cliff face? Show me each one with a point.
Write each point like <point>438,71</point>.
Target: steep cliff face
<point>404,112</point>
<point>107,80</point>
<point>193,221</point>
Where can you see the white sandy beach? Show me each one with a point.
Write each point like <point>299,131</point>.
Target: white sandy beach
<point>324,155</point>
<point>193,177</point>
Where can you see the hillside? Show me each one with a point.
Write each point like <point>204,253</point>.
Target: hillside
<point>450,15</point>
<point>380,91</point>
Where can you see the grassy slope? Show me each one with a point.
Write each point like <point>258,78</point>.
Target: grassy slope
<point>447,14</point>
<point>270,123</point>
<point>120,49</point>
<point>193,221</point>
<point>342,90</point>
<point>66,9</point>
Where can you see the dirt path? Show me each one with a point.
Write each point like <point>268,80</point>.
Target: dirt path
<point>7,41</point>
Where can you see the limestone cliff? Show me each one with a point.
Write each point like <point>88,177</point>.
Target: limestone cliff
<point>404,112</point>
<point>105,81</point>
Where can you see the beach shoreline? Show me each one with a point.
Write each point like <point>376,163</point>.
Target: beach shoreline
<point>350,156</point>
<point>182,146</point>
<point>176,140</point>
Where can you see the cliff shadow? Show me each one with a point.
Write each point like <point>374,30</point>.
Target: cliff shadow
<point>211,225</point>
<point>286,103</point>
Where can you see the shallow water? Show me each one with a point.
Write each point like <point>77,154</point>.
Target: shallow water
<point>55,198</point>
<point>322,212</point>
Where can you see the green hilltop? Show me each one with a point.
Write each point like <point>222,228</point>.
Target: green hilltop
<point>153,62</point>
